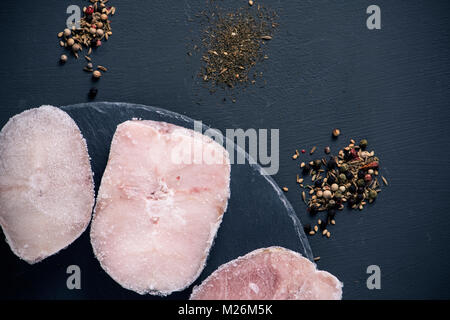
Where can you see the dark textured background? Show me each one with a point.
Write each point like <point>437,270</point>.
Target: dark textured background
<point>326,69</point>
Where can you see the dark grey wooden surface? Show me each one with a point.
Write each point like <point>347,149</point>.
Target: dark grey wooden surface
<point>325,70</point>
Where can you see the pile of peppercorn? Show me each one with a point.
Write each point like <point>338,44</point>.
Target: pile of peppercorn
<point>348,179</point>
<point>94,27</point>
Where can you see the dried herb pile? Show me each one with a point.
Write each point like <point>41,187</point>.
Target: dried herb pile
<point>349,179</point>
<point>233,43</point>
<point>94,28</point>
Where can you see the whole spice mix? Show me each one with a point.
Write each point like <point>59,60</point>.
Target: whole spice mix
<point>351,178</point>
<point>94,29</point>
<point>233,43</point>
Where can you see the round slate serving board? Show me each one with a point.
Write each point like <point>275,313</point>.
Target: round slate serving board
<point>258,215</point>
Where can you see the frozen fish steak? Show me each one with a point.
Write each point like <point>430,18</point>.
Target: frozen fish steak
<point>46,184</point>
<point>273,273</point>
<point>160,204</point>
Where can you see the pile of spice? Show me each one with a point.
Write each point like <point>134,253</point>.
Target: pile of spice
<point>94,28</point>
<point>348,179</point>
<point>233,43</point>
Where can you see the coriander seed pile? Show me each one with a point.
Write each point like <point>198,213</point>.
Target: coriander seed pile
<point>233,44</point>
<point>349,179</point>
<point>94,28</point>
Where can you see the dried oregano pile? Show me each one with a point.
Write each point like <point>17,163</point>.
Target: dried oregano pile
<point>94,28</point>
<point>233,43</point>
<point>350,178</point>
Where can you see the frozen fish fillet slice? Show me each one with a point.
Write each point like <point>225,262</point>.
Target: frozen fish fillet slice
<point>156,216</point>
<point>273,273</point>
<point>46,183</point>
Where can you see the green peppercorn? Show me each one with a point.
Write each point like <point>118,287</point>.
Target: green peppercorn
<point>343,167</point>
<point>361,183</point>
<point>338,195</point>
<point>373,194</point>
<point>363,144</point>
<point>342,178</point>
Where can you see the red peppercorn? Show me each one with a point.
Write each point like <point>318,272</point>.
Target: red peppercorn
<point>89,10</point>
<point>99,43</point>
<point>368,177</point>
<point>94,26</point>
<point>354,153</point>
<point>303,150</point>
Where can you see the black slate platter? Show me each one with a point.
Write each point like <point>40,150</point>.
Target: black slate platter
<point>258,215</point>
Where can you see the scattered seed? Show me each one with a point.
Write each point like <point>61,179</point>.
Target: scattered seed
<point>311,233</point>
<point>316,228</point>
<point>384,181</point>
<point>328,234</point>
<point>102,68</point>
<point>316,258</point>
<point>336,132</point>
<point>312,150</point>
<point>96,74</point>
<point>285,189</point>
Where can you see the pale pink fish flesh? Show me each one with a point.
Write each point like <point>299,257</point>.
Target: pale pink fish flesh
<point>156,218</point>
<point>273,273</point>
<point>46,184</point>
